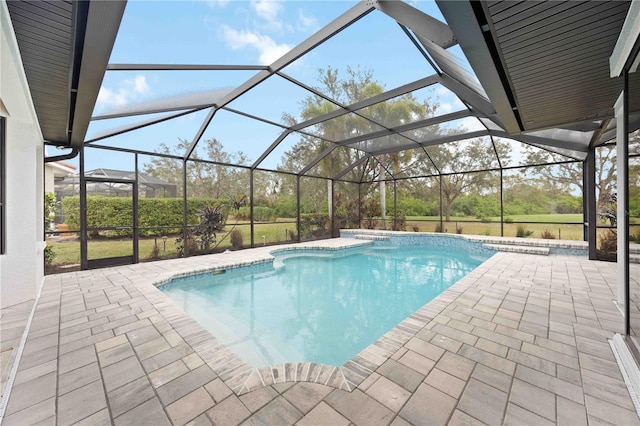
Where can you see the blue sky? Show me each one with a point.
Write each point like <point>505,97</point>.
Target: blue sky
<point>247,32</point>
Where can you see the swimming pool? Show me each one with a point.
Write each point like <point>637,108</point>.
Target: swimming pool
<point>321,307</point>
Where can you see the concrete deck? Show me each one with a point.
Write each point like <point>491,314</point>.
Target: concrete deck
<point>520,340</point>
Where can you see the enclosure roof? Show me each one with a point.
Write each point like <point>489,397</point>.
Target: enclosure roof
<point>541,77</point>
<point>542,64</point>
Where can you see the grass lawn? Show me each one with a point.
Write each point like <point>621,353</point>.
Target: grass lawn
<point>67,249</point>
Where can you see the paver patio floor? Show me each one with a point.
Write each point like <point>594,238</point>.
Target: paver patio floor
<point>523,339</point>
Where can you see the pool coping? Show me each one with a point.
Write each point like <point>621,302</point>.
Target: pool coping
<point>242,378</point>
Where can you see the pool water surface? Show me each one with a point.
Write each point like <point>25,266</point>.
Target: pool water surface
<point>320,307</point>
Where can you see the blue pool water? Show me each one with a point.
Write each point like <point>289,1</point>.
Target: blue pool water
<point>323,307</point>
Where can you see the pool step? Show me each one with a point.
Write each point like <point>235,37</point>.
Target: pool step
<point>518,249</point>
<point>371,237</point>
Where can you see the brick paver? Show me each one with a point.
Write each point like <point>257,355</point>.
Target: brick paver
<point>521,340</point>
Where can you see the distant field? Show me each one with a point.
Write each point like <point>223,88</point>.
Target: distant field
<point>537,218</point>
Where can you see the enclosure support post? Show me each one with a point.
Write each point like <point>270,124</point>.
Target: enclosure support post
<point>501,203</point>
<point>622,136</point>
<point>441,222</point>
<point>298,206</point>
<point>332,210</point>
<point>136,222</point>
<point>589,207</point>
<point>359,205</point>
<point>185,218</point>
<point>395,206</point>
<point>84,263</point>
<point>251,207</point>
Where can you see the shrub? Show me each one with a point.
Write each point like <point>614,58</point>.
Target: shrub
<point>547,235</point>
<point>236,239</point>
<point>117,212</point>
<point>191,246</point>
<point>523,232</point>
<point>400,223</point>
<point>314,225</point>
<point>415,228</point>
<point>50,207</point>
<point>286,208</point>
<point>49,255</point>
<point>155,251</point>
<point>508,220</point>
<point>439,228</point>
<point>609,241</point>
<point>458,229</point>
<point>370,210</point>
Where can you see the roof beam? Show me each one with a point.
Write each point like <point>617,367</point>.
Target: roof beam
<point>316,160</point>
<point>184,67</point>
<point>334,27</point>
<point>398,91</point>
<point>409,126</point>
<point>477,44</point>
<point>418,21</point>
<point>352,166</point>
<point>139,125</point>
<point>201,130</point>
<point>273,146</point>
<point>343,21</point>
<point>537,140</point>
<point>194,100</point>
<point>467,95</point>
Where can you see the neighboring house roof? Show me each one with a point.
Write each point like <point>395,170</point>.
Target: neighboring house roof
<point>61,169</point>
<point>143,179</point>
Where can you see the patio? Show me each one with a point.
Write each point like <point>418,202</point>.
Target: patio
<point>523,339</point>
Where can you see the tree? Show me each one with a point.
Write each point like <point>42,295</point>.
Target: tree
<point>475,154</point>
<point>356,86</point>
<point>568,175</point>
<point>204,179</point>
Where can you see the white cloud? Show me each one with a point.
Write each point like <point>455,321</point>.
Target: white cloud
<point>445,107</point>
<point>267,48</point>
<point>128,90</point>
<point>110,98</point>
<point>140,84</point>
<point>267,9</point>
<point>306,23</point>
<point>268,14</point>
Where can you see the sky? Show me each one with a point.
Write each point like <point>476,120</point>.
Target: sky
<point>245,32</point>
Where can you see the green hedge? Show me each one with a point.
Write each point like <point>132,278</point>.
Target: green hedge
<point>116,211</point>
<point>260,214</point>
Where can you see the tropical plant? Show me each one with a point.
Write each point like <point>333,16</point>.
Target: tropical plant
<point>547,235</point>
<point>202,238</point>
<point>522,231</point>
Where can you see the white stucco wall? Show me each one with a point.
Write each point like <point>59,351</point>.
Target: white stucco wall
<point>21,268</point>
